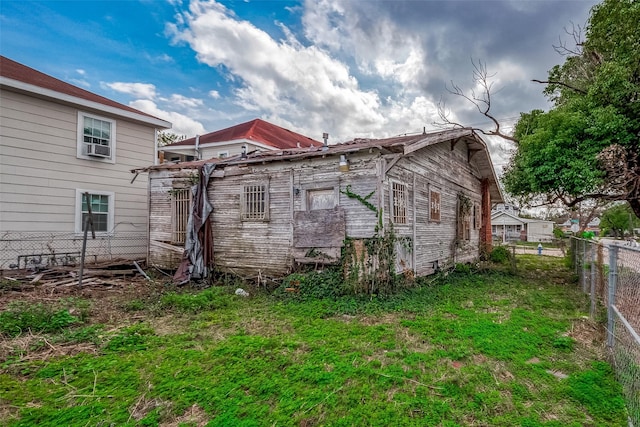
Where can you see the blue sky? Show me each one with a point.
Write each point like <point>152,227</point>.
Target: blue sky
<point>352,68</point>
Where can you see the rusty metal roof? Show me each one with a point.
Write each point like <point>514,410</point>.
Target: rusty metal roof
<point>10,69</point>
<point>403,145</point>
<point>256,130</point>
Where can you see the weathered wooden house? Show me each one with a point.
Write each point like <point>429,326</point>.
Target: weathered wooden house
<point>278,209</point>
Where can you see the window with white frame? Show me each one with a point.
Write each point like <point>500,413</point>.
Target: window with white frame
<point>102,210</point>
<point>223,154</point>
<point>96,138</point>
<point>180,206</point>
<point>399,197</point>
<point>255,202</point>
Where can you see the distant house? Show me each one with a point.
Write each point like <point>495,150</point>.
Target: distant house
<point>507,227</point>
<point>593,225</point>
<point>255,135</point>
<point>264,213</point>
<point>59,142</point>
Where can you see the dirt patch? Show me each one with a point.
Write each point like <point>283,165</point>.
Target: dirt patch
<point>192,416</point>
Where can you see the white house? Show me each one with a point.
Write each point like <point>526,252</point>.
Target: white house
<point>60,142</point>
<point>508,227</point>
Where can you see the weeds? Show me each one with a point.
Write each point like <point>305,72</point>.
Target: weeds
<point>461,349</point>
<point>21,316</point>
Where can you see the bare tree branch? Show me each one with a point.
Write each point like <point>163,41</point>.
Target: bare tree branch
<point>576,34</point>
<point>559,83</point>
<point>481,100</point>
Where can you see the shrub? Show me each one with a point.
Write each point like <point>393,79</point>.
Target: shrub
<point>500,255</point>
<point>22,316</point>
<point>327,283</point>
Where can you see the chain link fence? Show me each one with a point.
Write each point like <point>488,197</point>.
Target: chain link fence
<point>610,274</point>
<point>44,250</point>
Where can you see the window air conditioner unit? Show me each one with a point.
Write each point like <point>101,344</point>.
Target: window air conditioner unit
<point>97,150</point>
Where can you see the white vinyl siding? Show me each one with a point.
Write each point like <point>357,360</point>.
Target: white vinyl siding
<point>40,170</point>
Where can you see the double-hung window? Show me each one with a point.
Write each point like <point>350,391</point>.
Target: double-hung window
<point>102,208</point>
<point>96,138</point>
<point>399,198</point>
<point>255,202</point>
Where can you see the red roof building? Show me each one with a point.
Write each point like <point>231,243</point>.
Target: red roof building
<point>255,135</point>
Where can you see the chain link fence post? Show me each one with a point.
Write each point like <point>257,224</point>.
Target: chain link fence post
<point>613,276</point>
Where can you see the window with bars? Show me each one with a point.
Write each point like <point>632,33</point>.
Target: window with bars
<point>434,205</point>
<point>180,206</point>
<point>255,202</point>
<point>399,198</point>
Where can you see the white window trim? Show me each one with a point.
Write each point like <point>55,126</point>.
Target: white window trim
<point>223,153</point>
<point>80,138</point>
<point>110,215</point>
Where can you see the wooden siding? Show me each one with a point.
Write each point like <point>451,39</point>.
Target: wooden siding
<point>263,247</point>
<point>441,169</point>
<point>266,248</point>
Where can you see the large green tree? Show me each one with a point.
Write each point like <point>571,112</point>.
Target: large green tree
<point>587,146</point>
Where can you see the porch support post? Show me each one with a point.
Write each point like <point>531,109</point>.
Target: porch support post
<point>485,229</point>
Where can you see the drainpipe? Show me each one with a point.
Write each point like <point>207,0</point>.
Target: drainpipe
<point>197,147</point>
<point>325,136</point>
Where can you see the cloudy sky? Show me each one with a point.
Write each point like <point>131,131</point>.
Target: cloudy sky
<point>352,68</point>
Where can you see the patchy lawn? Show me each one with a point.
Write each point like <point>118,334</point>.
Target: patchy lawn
<point>467,349</point>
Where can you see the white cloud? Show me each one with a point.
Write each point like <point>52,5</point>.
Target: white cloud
<point>214,94</point>
<point>182,125</point>
<point>184,102</point>
<point>81,71</point>
<point>138,90</point>
<point>80,82</point>
<point>300,84</point>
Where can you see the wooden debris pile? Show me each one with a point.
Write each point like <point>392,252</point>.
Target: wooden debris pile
<point>107,273</point>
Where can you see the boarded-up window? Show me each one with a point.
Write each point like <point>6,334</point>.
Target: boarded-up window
<point>321,199</point>
<point>477,217</point>
<point>465,210</point>
<point>255,202</point>
<point>180,204</point>
<point>434,204</point>
<point>398,202</point>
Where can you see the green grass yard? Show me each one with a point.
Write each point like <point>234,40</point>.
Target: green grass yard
<point>468,349</point>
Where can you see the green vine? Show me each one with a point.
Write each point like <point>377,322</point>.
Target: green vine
<point>465,204</point>
<point>370,264</point>
<point>364,200</point>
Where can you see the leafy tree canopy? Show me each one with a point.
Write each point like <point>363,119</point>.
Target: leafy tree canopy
<point>587,146</point>
<point>617,219</point>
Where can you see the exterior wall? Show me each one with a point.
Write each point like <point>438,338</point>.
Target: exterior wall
<point>447,171</point>
<point>271,248</point>
<point>162,253</point>
<point>540,231</point>
<point>250,248</point>
<point>39,175</point>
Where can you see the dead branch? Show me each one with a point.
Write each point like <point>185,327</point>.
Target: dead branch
<point>559,83</point>
<point>481,100</point>
<point>575,33</point>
